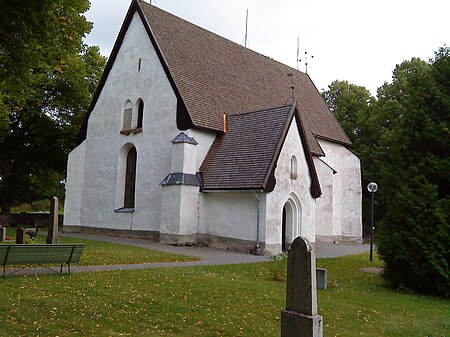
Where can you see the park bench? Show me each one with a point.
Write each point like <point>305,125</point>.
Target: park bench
<point>23,254</point>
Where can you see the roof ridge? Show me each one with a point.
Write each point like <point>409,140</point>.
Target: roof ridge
<point>260,110</point>
<point>142,2</point>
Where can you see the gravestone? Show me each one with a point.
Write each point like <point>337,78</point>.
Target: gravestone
<point>321,278</point>
<point>20,236</point>
<point>52,236</point>
<point>2,233</point>
<point>300,318</point>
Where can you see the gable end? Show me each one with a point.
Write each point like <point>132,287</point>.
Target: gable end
<point>184,120</point>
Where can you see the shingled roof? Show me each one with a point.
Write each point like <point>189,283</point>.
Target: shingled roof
<point>212,76</point>
<point>216,76</point>
<point>245,157</point>
<point>241,158</point>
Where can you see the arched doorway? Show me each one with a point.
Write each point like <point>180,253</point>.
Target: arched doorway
<point>291,222</point>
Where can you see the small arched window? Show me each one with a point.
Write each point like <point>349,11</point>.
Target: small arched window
<point>294,174</point>
<point>127,116</point>
<point>130,178</point>
<point>140,113</point>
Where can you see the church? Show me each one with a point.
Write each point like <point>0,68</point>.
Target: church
<point>193,138</point>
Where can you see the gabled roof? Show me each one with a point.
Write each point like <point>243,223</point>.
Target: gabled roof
<point>245,157</point>
<point>216,76</point>
<point>211,76</point>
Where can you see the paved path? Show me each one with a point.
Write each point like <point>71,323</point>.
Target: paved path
<point>207,255</point>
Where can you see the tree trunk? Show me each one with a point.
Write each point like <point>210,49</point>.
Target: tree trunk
<point>5,203</point>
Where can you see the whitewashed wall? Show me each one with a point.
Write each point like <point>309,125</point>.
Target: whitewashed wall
<point>205,139</point>
<point>285,188</point>
<point>346,197</point>
<point>230,215</point>
<point>104,172</point>
<point>74,185</point>
<point>324,204</point>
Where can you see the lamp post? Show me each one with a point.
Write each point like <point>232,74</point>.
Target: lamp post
<point>372,187</point>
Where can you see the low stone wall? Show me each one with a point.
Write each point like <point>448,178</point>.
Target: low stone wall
<point>28,219</point>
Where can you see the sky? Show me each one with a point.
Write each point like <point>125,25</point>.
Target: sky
<point>360,41</point>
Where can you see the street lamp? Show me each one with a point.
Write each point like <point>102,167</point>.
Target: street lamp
<point>372,187</point>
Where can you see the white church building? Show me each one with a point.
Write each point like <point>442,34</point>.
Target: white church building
<point>191,137</point>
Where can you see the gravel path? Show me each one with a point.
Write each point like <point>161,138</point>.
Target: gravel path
<point>207,255</point>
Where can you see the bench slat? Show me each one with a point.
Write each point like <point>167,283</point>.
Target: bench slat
<point>31,254</point>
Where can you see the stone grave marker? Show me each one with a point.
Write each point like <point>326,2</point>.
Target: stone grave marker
<point>20,236</point>
<point>2,233</point>
<point>300,318</point>
<point>53,236</point>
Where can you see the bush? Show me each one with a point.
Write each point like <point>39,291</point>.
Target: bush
<point>414,241</point>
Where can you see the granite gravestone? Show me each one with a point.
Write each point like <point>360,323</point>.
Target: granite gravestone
<point>52,236</point>
<point>20,236</point>
<point>300,318</point>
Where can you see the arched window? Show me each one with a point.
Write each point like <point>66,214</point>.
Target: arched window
<point>294,167</point>
<point>130,179</point>
<point>127,116</point>
<point>140,113</point>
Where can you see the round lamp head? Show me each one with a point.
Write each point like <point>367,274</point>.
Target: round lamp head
<point>372,187</point>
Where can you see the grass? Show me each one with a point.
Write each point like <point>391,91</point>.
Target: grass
<point>37,206</point>
<point>235,300</point>
<point>103,253</point>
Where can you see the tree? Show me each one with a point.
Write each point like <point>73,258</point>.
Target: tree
<point>414,236</point>
<point>403,142</point>
<point>47,77</point>
<point>350,104</point>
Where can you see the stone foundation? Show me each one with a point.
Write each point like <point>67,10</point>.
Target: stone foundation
<point>339,238</point>
<point>245,246</point>
<point>135,234</point>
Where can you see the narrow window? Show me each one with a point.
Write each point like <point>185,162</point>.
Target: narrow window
<point>294,167</point>
<point>139,64</point>
<point>130,178</point>
<point>127,114</point>
<point>140,113</point>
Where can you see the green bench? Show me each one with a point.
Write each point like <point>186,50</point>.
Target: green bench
<point>40,254</point>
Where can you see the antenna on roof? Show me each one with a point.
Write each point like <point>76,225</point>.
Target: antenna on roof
<point>246,26</point>
<point>298,50</point>
<point>306,61</point>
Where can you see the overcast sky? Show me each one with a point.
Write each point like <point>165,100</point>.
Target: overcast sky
<point>356,40</point>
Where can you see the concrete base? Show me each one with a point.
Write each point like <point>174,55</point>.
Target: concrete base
<point>136,234</point>
<point>245,246</point>
<point>273,249</point>
<point>239,245</point>
<point>339,238</point>
<point>176,238</point>
<point>294,324</point>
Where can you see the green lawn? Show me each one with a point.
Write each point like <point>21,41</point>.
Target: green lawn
<point>237,300</point>
<point>103,253</point>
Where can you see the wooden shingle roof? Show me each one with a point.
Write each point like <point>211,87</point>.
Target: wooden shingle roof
<point>241,158</point>
<point>245,157</point>
<point>215,76</point>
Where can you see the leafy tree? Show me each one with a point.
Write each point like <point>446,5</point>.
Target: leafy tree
<point>403,143</point>
<point>350,104</point>
<point>47,76</point>
<point>414,237</point>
